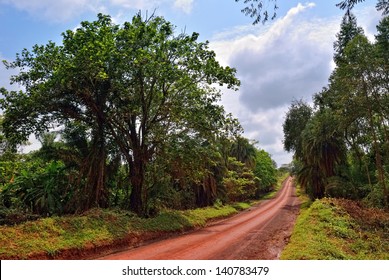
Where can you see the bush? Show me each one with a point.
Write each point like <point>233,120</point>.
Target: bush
<point>13,216</point>
<point>42,188</point>
<point>376,197</point>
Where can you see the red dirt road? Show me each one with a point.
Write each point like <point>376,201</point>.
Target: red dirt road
<point>258,233</point>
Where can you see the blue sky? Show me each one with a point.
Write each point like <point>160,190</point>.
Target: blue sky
<point>285,59</point>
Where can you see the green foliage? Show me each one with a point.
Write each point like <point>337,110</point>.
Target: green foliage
<point>342,150</point>
<point>348,30</point>
<point>54,237</point>
<point>338,229</point>
<point>7,147</point>
<point>243,151</point>
<point>323,150</point>
<point>382,39</point>
<point>128,116</point>
<point>258,10</point>
<point>240,182</point>
<point>375,198</point>
<point>295,121</point>
<point>136,90</point>
<point>241,206</point>
<point>42,188</point>
<point>265,171</point>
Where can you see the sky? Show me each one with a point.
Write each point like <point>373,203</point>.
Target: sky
<point>289,58</point>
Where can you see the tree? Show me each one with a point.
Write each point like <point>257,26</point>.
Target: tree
<point>364,73</point>
<point>137,86</point>
<point>382,46</point>
<point>323,149</point>
<point>348,5</point>
<point>5,146</point>
<point>66,84</point>
<point>348,30</point>
<point>240,182</point>
<point>258,10</point>
<point>265,170</point>
<point>383,5</point>
<point>243,151</point>
<point>357,97</point>
<point>295,121</point>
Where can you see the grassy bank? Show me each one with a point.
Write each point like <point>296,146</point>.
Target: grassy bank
<point>97,230</point>
<point>339,229</point>
<point>100,231</point>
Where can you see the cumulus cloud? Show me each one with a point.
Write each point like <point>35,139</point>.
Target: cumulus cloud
<point>58,10</point>
<point>291,59</point>
<point>184,5</point>
<point>368,19</point>
<point>64,10</point>
<point>137,4</point>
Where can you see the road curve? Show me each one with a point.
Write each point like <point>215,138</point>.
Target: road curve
<point>233,238</point>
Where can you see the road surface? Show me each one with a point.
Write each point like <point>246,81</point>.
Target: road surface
<point>258,233</point>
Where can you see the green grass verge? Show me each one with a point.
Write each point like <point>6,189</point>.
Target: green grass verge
<point>96,228</point>
<point>339,229</point>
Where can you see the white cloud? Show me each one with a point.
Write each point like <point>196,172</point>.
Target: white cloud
<point>291,59</point>
<point>137,4</point>
<point>64,10</point>
<point>58,10</point>
<point>368,18</point>
<point>184,5</point>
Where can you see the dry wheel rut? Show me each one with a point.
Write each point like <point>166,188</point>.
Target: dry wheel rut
<point>259,233</point>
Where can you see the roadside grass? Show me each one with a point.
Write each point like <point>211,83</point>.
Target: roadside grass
<point>338,229</point>
<point>55,237</point>
<point>54,234</point>
<point>49,237</point>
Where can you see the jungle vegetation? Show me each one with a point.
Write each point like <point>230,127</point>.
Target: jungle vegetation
<point>341,141</point>
<point>128,116</point>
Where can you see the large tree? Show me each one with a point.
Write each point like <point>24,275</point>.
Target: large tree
<point>367,88</point>
<point>295,121</point>
<point>348,30</point>
<point>137,85</point>
<point>323,150</point>
<point>357,96</point>
<point>244,151</point>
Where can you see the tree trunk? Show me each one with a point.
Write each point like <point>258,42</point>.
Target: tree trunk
<point>378,158</point>
<point>94,170</point>
<point>96,176</point>
<point>137,178</point>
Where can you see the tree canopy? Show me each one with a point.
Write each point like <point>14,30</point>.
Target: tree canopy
<point>342,148</point>
<point>134,86</point>
<point>128,116</point>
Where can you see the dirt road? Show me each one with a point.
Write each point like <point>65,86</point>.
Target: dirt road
<point>258,233</point>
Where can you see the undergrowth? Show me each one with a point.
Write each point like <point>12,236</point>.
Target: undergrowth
<point>52,237</point>
<point>338,229</point>
<point>97,227</point>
